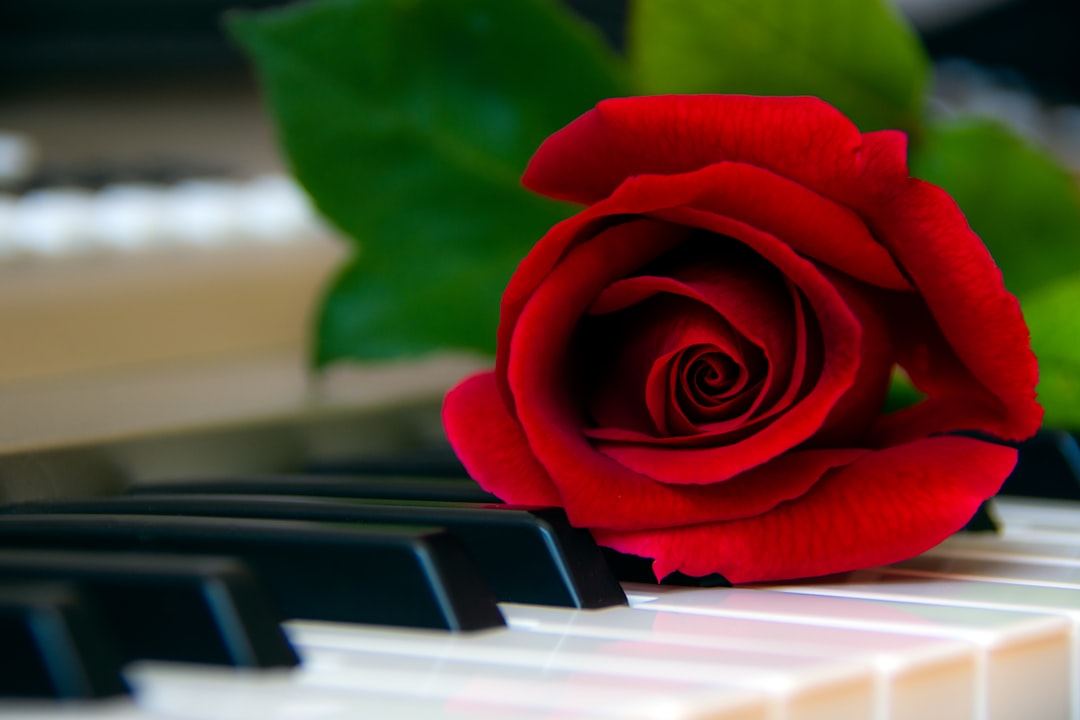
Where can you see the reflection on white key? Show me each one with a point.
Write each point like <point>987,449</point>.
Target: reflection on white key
<point>333,684</point>
<point>917,677</point>
<point>1024,657</point>
<point>797,687</point>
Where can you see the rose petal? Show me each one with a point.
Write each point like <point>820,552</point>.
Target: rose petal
<point>747,293</point>
<point>490,444</point>
<point>623,350</point>
<point>854,416</point>
<point>607,218</point>
<point>980,321</point>
<point>884,507</point>
<point>841,338</point>
<point>595,490</point>
<point>801,138</point>
<point>494,450</point>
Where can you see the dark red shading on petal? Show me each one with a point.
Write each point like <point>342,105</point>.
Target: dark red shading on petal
<point>854,416</point>
<point>723,286</point>
<point>595,490</point>
<point>983,340</point>
<point>549,251</point>
<point>801,138</point>
<point>810,223</point>
<point>490,444</point>
<point>622,352</point>
<point>841,340</point>
<point>886,506</point>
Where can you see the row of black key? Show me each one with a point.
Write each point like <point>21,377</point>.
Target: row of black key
<point>162,560</point>
<point>203,571</point>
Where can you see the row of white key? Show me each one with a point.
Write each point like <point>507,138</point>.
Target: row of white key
<point>909,641</point>
<point>56,222</point>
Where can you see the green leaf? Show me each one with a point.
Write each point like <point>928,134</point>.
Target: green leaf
<point>1022,203</point>
<point>858,55</point>
<point>1053,318</point>
<point>410,122</point>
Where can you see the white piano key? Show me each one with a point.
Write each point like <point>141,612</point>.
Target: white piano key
<point>129,216</point>
<point>1025,658</point>
<point>50,222</point>
<point>797,687</point>
<point>273,208</point>
<point>8,204</point>
<point>202,212</point>
<point>916,677</point>
<point>1033,570</point>
<point>990,546</point>
<point>339,682</point>
<point>104,709</point>
<point>1024,516</point>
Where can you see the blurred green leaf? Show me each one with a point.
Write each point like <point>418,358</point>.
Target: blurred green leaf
<point>901,393</point>
<point>1053,315</point>
<point>858,55</point>
<point>410,123</point>
<point>1023,204</point>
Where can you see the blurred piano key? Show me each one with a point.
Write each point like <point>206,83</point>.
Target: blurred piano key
<point>160,607</point>
<point>373,487</point>
<point>52,645</point>
<point>1057,521</point>
<point>1048,467</point>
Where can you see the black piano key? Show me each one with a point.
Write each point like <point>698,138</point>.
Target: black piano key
<point>429,462</point>
<point>982,521</point>
<point>416,577</point>
<point>1048,466</point>
<point>527,555</point>
<point>158,607</point>
<point>637,569</point>
<point>52,646</point>
<point>394,487</point>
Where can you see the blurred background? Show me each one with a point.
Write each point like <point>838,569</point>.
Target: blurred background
<point>159,269</point>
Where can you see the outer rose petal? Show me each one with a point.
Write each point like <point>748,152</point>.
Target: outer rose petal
<point>981,322</point>
<point>801,138</point>
<point>490,444</point>
<point>884,507</point>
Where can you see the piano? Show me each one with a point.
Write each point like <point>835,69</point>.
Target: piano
<point>115,405</point>
<point>983,627</point>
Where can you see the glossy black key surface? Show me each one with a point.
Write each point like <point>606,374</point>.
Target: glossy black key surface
<point>431,462</point>
<point>394,487</point>
<point>161,607</point>
<point>52,646</point>
<point>1048,466</point>
<point>527,555</point>
<point>418,577</point>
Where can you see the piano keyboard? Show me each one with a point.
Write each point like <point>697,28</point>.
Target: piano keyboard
<point>985,627</point>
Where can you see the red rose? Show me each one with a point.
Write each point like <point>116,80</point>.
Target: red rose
<point>694,365</point>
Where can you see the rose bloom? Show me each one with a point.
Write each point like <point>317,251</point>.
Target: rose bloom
<point>694,366</point>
